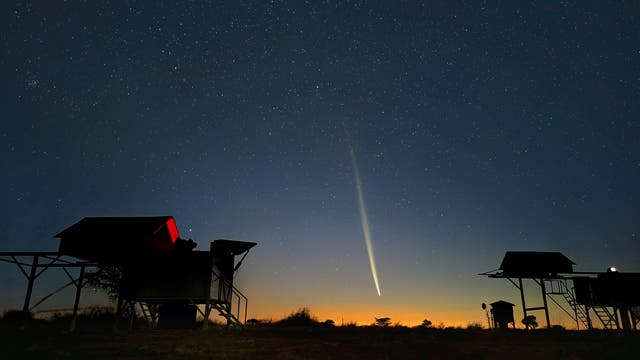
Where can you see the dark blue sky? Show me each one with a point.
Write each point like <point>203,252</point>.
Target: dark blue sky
<point>479,127</point>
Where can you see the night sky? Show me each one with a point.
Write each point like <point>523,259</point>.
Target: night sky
<point>478,127</point>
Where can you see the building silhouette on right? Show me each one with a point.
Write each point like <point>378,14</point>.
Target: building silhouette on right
<point>611,298</point>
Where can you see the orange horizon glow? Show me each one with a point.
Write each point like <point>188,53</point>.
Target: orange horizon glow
<point>366,315</point>
<point>452,315</point>
<point>410,318</point>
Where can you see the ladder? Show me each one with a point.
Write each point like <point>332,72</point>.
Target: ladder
<point>607,319</point>
<point>559,287</point>
<point>581,316</point>
<point>149,313</point>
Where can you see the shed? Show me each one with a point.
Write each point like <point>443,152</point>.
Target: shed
<point>118,239</point>
<point>534,264</point>
<point>502,312</point>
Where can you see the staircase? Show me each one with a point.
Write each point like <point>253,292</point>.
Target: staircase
<point>605,316</point>
<point>607,319</point>
<point>579,315</point>
<point>223,311</point>
<point>230,302</point>
<point>149,313</point>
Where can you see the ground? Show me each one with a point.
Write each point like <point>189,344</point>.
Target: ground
<point>323,342</point>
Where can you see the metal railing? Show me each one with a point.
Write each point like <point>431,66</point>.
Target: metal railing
<point>228,300</point>
<point>560,287</point>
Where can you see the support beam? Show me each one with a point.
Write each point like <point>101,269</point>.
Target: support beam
<point>132,310</point>
<point>544,301</point>
<point>118,313</point>
<point>524,305</point>
<point>625,319</point>
<point>207,313</point>
<point>76,301</point>
<point>30,278</point>
<point>535,308</point>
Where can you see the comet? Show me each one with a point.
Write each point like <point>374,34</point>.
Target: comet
<point>364,219</point>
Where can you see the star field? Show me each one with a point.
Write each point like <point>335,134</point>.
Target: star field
<point>479,127</point>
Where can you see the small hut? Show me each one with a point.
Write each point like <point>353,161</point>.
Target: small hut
<point>502,314</point>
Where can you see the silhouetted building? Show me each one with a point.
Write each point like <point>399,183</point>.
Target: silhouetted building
<point>160,271</point>
<point>611,297</point>
<point>534,264</point>
<point>502,314</point>
<point>619,291</point>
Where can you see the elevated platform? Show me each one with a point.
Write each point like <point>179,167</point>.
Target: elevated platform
<point>612,298</point>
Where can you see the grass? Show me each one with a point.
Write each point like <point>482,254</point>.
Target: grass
<point>316,340</point>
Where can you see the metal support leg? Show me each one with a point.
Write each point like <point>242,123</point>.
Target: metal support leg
<point>544,301</point>
<point>615,317</point>
<point>207,312</point>
<point>31,279</point>
<point>625,319</point>
<point>118,313</point>
<point>153,312</point>
<point>524,305</point>
<point>132,310</point>
<point>76,302</point>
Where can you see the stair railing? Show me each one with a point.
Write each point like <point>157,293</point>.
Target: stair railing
<point>560,287</point>
<point>233,301</point>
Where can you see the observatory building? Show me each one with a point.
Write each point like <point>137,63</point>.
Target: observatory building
<point>611,298</point>
<point>161,275</point>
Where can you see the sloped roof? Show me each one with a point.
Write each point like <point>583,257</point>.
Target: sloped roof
<point>233,246</point>
<point>110,226</point>
<point>99,238</point>
<point>535,264</point>
<point>501,303</point>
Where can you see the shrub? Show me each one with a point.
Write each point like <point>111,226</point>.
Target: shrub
<point>382,322</point>
<point>17,319</point>
<point>302,317</point>
<point>257,322</point>
<point>475,326</point>
<point>13,316</point>
<point>106,278</point>
<point>426,323</point>
<point>530,321</point>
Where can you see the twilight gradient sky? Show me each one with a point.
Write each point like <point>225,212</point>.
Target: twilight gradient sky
<point>478,126</point>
